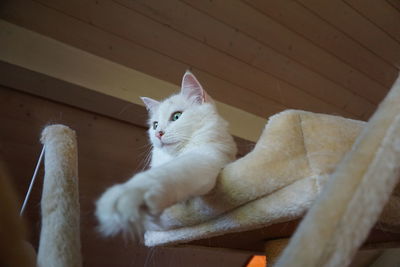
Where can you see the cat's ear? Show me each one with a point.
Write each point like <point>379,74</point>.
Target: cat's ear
<point>192,89</point>
<point>150,103</point>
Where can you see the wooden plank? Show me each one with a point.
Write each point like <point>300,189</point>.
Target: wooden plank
<point>88,124</point>
<point>321,33</point>
<point>139,29</point>
<point>350,22</point>
<point>181,47</point>
<point>109,153</point>
<point>71,94</point>
<point>394,3</point>
<point>381,13</point>
<point>276,35</point>
<point>203,28</point>
<point>254,80</point>
<point>59,60</point>
<point>76,33</point>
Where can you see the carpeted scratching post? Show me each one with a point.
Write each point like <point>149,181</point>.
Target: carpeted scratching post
<point>355,195</point>
<point>59,244</point>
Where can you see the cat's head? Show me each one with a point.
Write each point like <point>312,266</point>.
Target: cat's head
<point>173,120</point>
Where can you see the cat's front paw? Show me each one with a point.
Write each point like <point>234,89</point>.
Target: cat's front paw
<point>119,209</point>
<point>129,207</point>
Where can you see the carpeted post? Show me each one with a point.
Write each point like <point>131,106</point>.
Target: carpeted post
<point>60,234</point>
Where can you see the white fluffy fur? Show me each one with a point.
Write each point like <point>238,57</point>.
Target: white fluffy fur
<point>185,161</point>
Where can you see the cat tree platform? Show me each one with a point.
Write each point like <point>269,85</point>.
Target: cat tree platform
<point>273,185</point>
<point>299,155</point>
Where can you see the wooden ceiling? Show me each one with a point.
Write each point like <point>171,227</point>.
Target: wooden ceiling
<point>337,57</point>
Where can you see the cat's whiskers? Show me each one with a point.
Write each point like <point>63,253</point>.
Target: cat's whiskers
<point>144,146</point>
<point>144,151</point>
<point>147,160</point>
<point>145,155</point>
<point>177,139</point>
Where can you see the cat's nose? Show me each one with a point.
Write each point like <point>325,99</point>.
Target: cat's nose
<point>159,134</point>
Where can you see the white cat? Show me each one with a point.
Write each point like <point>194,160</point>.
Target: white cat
<point>191,144</point>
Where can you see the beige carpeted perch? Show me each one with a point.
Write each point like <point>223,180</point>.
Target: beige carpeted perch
<point>276,182</point>
<point>280,179</point>
<point>60,234</point>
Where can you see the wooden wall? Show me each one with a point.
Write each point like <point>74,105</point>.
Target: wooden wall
<point>110,151</point>
<point>337,57</point>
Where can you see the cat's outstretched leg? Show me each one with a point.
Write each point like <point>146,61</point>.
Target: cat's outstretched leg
<point>127,207</point>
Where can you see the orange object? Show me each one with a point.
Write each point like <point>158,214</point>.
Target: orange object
<point>257,261</point>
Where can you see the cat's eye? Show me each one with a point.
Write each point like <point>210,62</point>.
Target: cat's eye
<point>155,124</point>
<point>176,115</point>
